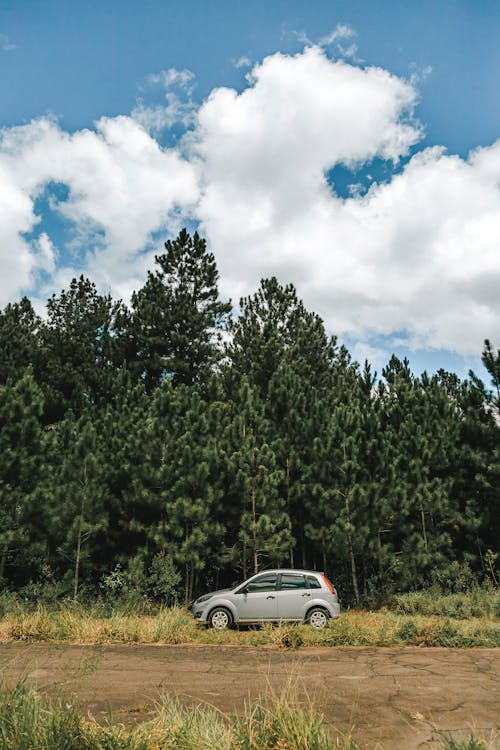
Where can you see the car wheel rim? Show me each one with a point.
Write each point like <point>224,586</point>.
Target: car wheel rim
<point>318,620</point>
<point>220,620</point>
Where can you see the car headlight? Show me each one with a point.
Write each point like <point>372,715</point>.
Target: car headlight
<point>203,598</point>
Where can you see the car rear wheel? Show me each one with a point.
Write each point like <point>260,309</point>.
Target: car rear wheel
<point>220,619</point>
<point>317,618</point>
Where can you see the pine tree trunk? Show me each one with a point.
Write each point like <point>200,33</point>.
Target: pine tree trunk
<point>186,584</point>
<point>353,572</point>
<point>354,575</point>
<point>3,559</point>
<point>77,558</point>
<point>85,483</point>
<point>254,535</point>
<point>288,503</point>
<point>244,560</point>
<point>424,533</point>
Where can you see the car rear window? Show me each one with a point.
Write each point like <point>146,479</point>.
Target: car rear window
<point>290,581</point>
<point>313,582</point>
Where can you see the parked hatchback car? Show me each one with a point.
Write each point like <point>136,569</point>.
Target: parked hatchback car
<point>274,595</point>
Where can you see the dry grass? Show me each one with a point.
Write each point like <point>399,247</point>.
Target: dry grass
<point>175,626</point>
<point>278,722</point>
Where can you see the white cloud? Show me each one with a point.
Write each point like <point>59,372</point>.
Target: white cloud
<point>417,254</point>
<point>416,257</point>
<point>184,78</point>
<point>341,31</point>
<point>162,117</point>
<point>122,187</point>
<point>243,62</point>
<point>179,108</point>
<point>5,44</point>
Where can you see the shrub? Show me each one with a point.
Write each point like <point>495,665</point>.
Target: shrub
<point>478,602</point>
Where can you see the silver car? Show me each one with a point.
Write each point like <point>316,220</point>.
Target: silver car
<point>272,596</point>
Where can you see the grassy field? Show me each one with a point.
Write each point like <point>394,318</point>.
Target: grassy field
<point>27,721</point>
<point>458,620</point>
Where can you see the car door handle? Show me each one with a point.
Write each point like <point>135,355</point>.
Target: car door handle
<point>306,594</point>
<point>270,597</point>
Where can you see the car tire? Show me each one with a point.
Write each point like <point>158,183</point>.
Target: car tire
<point>317,618</point>
<point>220,618</point>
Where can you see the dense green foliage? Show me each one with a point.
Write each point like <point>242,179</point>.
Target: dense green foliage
<point>157,450</point>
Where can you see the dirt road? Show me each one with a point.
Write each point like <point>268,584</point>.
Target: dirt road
<point>400,698</point>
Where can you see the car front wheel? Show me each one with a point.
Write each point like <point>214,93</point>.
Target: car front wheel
<point>317,618</point>
<point>220,619</point>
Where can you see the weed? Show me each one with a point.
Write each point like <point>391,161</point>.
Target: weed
<point>470,743</point>
<point>284,636</point>
<point>175,625</point>
<point>478,602</point>
<point>280,722</point>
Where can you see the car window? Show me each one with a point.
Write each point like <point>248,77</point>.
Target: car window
<point>263,583</point>
<point>313,582</point>
<point>291,581</point>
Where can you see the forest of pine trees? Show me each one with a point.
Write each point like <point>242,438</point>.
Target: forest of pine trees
<point>175,446</point>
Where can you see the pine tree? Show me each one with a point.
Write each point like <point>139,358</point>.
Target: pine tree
<point>177,317</point>
<point>346,485</point>
<point>186,480</point>
<point>78,497</point>
<point>491,361</point>
<point>265,530</point>
<point>19,329</point>
<point>128,450</point>
<point>283,351</point>
<point>421,429</point>
<point>478,473</point>
<point>20,456</point>
<point>79,349</point>
<point>274,326</point>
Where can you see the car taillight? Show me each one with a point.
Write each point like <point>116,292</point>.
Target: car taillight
<point>329,585</point>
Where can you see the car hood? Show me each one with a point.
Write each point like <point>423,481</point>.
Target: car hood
<point>220,591</point>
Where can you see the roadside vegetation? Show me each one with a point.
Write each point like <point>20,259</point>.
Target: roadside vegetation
<point>28,721</point>
<point>418,619</point>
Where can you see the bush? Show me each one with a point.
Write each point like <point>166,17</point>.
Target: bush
<point>134,587</point>
<point>478,602</point>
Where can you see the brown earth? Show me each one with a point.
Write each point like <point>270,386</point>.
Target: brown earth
<point>390,698</point>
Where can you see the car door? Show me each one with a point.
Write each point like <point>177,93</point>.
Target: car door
<point>257,599</point>
<point>293,596</point>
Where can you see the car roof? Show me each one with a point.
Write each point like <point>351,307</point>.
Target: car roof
<point>289,570</point>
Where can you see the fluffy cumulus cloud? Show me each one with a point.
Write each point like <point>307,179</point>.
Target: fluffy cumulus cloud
<point>417,255</point>
<point>122,187</point>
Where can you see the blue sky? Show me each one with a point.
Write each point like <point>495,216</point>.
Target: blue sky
<point>65,66</point>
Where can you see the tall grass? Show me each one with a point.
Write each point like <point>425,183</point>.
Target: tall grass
<point>175,625</point>
<point>477,602</point>
<point>29,722</point>
<point>419,619</point>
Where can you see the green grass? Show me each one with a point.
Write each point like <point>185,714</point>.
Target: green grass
<point>175,625</point>
<point>471,743</point>
<point>30,722</point>
<point>476,603</point>
<point>415,619</point>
